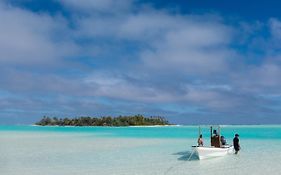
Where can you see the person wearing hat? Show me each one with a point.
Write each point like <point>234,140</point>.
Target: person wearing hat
<point>236,143</point>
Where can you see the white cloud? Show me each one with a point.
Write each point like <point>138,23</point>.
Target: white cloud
<point>30,38</point>
<point>275,27</point>
<point>259,80</point>
<point>195,47</point>
<point>190,43</point>
<point>118,87</point>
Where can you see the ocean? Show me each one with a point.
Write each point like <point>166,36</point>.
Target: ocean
<point>35,150</point>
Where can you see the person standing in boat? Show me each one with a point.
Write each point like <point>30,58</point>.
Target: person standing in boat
<point>215,139</point>
<point>236,143</point>
<point>200,140</point>
<point>215,134</point>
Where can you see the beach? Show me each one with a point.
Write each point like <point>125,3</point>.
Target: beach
<point>28,150</point>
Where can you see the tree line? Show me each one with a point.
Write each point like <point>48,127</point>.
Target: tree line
<point>136,120</point>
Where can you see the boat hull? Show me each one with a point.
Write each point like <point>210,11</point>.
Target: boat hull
<point>209,152</point>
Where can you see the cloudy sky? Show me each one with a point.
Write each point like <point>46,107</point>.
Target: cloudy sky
<point>188,60</point>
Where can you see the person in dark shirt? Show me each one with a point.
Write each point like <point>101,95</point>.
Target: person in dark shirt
<point>236,143</point>
<point>223,141</point>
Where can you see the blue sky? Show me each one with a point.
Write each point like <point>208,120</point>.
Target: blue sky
<point>190,61</point>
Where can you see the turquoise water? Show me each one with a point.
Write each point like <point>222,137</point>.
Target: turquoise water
<point>28,150</point>
<point>249,132</point>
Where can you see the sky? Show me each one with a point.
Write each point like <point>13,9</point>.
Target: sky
<point>193,62</point>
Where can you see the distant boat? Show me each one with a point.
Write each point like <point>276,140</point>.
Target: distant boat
<point>215,150</point>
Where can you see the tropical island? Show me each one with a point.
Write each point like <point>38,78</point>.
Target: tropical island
<point>136,120</point>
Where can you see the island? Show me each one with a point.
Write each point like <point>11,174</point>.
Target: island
<point>136,120</point>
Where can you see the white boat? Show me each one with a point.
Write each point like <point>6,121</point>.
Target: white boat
<point>208,152</point>
<point>216,149</point>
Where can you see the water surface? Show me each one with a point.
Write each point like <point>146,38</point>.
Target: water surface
<point>28,150</point>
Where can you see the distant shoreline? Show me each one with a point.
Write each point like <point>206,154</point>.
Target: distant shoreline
<point>136,120</point>
<point>171,125</point>
<point>135,126</point>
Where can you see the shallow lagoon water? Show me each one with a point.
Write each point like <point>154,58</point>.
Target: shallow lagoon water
<point>28,150</point>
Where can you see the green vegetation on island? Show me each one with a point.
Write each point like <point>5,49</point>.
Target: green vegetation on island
<point>136,120</point>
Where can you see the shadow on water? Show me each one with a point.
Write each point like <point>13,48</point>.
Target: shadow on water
<point>186,156</point>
